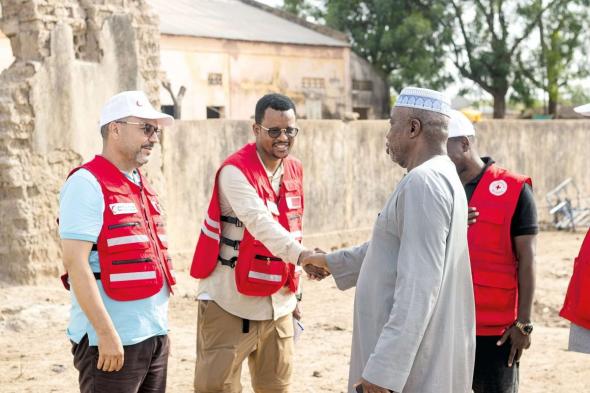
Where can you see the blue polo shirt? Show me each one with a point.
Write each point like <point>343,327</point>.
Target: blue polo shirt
<point>81,211</point>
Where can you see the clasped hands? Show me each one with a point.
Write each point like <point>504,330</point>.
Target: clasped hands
<point>314,264</point>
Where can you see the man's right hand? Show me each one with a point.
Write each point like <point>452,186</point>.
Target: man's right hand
<point>110,352</point>
<point>316,265</point>
<point>472,214</point>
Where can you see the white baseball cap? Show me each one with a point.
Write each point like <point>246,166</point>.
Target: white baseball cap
<point>460,125</point>
<point>583,110</point>
<point>132,103</point>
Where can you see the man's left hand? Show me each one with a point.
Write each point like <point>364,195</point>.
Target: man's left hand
<point>518,341</point>
<point>297,312</point>
<point>368,387</point>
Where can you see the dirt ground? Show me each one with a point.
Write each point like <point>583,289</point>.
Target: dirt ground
<point>35,353</point>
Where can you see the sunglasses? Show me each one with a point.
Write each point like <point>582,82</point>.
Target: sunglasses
<point>148,129</point>
<point>275,132</point>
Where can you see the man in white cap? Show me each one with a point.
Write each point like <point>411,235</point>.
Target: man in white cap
<point>115,254</point>
<point>501,236</point>
<point>575,308</point>
<point>414,322</point>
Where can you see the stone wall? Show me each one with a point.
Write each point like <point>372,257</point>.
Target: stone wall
<point>70,56</point>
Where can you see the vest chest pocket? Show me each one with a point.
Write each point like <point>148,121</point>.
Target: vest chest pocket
<point>129,260</point>
<point>266,270</point>
<point>293,195</point>
<point>127,234</point>
<point>257,272</point>
<point>495,297</point>
<point>488,231</point>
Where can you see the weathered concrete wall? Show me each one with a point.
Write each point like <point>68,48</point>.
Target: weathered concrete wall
<point>547,151</point>
<point>70,56</point>
<point>347,173</point>
<point>347,177</point>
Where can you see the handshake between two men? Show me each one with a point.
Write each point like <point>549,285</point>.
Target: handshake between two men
<point>314,263</point>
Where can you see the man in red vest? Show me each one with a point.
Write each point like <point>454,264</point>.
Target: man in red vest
<point>576,307</point>
<point>115,255</point>
<point>248,259</point>
<point>501,237</point>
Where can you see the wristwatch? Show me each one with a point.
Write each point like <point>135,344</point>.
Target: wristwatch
<point>525,328</point>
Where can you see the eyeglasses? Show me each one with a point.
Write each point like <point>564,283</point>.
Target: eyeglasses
<point>276,132</point>
<point>148,129</point>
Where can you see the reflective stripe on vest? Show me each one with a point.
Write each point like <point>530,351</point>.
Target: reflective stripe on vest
<point>118,277</point>
<point>209,233</point>
<point>118,241</point>
<point>212,223</point>
<point>265,277</point>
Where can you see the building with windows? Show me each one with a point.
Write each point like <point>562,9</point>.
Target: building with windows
<point>228,53</point>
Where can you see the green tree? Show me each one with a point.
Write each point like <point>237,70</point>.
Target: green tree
<point>489,39</point>
<point>403,39</point>
<point>561,36</point>
<point>302,8</point>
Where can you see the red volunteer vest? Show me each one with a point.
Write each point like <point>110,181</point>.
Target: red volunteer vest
<point>493,262</point>
<point>132,244</point>
<point>576,307</point>
<point>257,271</point>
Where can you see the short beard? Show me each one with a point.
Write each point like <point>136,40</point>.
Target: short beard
<point>141,159</point>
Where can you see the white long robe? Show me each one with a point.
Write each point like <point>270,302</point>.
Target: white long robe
<point>414,314</point>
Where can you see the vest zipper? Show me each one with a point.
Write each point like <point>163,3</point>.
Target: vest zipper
<point>124,224</point>
<point>268,259</point>
<point>126,261</point>
<point>155,244</point>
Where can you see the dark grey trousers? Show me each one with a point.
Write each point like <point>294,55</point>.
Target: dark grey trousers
<point>144,369</point>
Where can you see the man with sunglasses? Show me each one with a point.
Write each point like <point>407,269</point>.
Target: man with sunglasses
<point>115,256</point>
<point>247,259</point>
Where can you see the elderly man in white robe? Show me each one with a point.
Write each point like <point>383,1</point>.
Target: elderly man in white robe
<point>414,313</point>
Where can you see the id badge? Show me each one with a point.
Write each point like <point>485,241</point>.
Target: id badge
<point>294,202</point>
<point>123,208</point>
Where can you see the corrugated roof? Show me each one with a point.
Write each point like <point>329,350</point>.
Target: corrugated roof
<point>233,20</point>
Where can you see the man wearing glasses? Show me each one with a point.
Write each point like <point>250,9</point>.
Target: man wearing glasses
<point>247,258</point>
<point>115,256</point>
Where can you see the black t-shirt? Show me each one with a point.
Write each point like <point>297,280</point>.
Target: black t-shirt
<point>524,220</point>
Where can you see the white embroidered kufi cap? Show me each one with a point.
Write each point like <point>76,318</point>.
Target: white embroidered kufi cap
<point>426,99</point>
